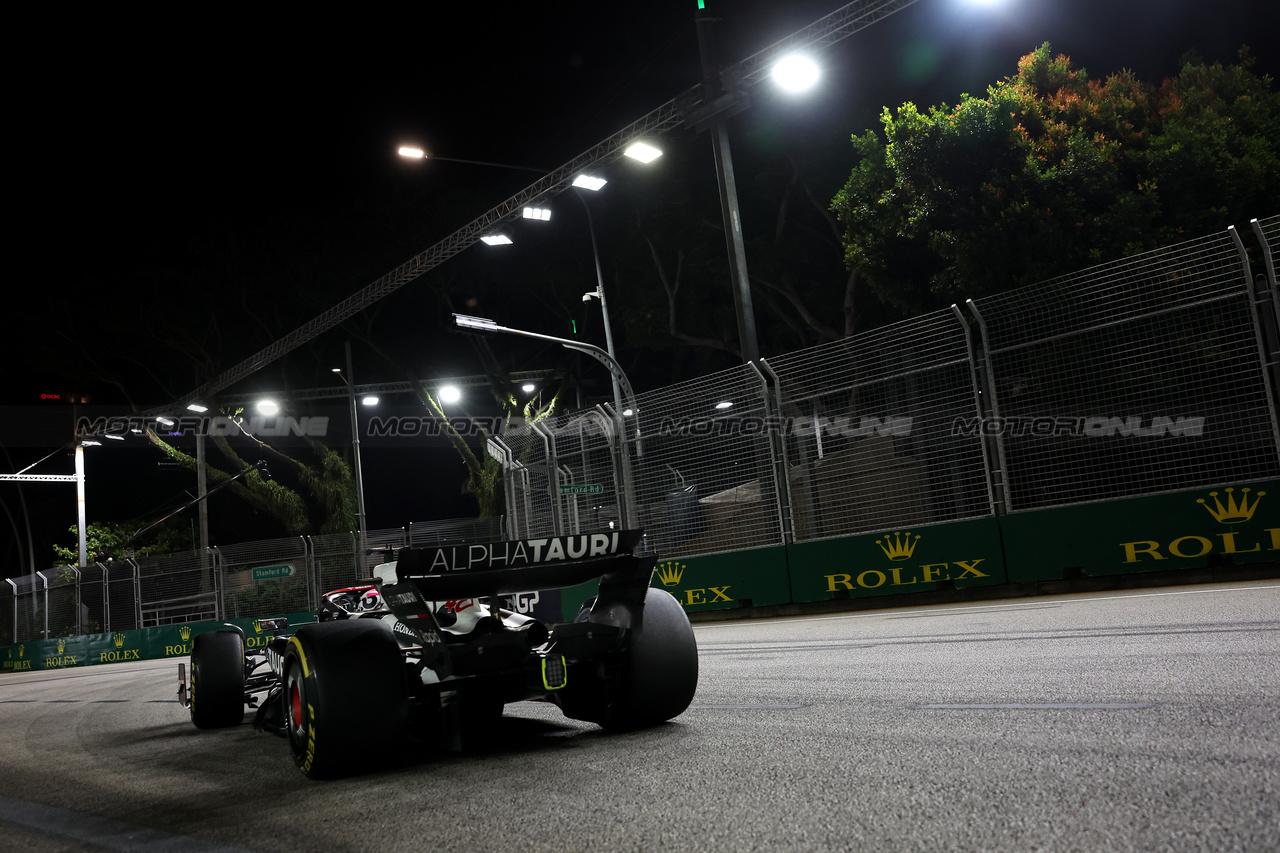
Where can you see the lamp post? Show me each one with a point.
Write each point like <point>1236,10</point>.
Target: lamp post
<point>621,383</point>
<point>362,535</point>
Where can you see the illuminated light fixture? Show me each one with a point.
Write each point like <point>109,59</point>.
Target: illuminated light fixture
<point>450,394</point>
<point>587,182</point>
<point>369,400</point>
<point>528,387</point>
<point>795,73</point>
<point>626,413</point>
<point>163,421</point>
<point>89,442</point>
<point>496,240</point>
<point>415,153</point>
<point>482,324</point>
<point>268,407</point>
<point>724,404</point>
<point>643,152</point>
<point>196,407</point>
<point>540,213</point>
<point>113,437</point>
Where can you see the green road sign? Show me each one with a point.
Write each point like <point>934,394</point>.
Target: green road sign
<point>583,489</point>
<point>267,573</point>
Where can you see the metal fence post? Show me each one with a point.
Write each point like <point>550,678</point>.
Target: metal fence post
<point>45,629</point>
<point>1268,322</point>
<point>772,399</point>
<point>990,409</point>
<point>979,380</point>
<point>553,477</point>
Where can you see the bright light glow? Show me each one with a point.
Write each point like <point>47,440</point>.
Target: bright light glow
<point>369,400</point>
<point>163,421</point>
<point>268,407</point>
<point>450,394</point>
<point>196,407</point>
<point>587,182</point>
<point>496,240</point>
<point>542,213</point>
<point>528,387</point>
<point>113,437</point>
<point>335,369</point>
<point>89,442</point>
<point>643,152</point>
<point>724,404</point>
<point>415,153</point>
<point>483,324</point>
<point>795,73</point>
<point>626,413</point>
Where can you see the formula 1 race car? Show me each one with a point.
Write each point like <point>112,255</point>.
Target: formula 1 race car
<point>421,656</point>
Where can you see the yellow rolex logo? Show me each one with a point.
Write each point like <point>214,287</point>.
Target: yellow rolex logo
<point>62,645</point>
<point>185,633</point>
<point>1232,513</point>
<point>900,546</point>
<point>671,572</point>
<point>257,626</point>
<point>118,639</point>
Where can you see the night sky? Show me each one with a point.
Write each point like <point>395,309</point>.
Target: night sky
<point>214,172</point>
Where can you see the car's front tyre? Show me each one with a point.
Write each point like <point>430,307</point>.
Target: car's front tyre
<point>217,679</point>
<point>345,696</point>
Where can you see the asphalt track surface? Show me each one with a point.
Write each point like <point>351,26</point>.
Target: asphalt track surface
<point>1145,720</point>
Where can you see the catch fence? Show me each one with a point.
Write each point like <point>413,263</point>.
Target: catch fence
<point>250,579</point>
<point>1148,375</point>
<point>1151,374</point>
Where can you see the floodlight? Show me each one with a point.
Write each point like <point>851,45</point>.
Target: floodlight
<point>415,153</point>
<point>643,152</point>
<point>196,407</point>
<point>541,213</point>
<point>795,72</point>
<point>587,182</point>
<point>496,240</point>
<point>450,394</point>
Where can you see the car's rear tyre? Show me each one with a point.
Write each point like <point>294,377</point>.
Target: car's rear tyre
<point>660,674</point>
<point>217,680</point>
<point>346,697</point>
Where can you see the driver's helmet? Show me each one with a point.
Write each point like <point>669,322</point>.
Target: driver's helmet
<point>370,601</point>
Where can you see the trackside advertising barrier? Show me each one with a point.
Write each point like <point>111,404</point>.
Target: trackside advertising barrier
<point>170,641</point>
<point>1218,526</point>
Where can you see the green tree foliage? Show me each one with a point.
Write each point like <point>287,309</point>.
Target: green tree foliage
<point>106,541</point>
<point>1052,172</point>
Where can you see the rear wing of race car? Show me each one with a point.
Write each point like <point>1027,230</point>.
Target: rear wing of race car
<point>421,577</point>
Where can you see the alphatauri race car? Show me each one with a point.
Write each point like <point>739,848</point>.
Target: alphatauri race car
<point>421,656</point>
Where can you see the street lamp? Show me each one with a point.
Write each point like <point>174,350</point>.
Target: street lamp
<point>793,72</point>
<point>620,383</point>
<point>362,535</point>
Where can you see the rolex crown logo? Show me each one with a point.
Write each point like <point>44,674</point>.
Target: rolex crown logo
<point>118,639</point>
<point>257,626</point>
<point>900,546</point>
<point>1232,513</point>
<point>62,645</point>
<point>670,572</point>
<point>185,633</point>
